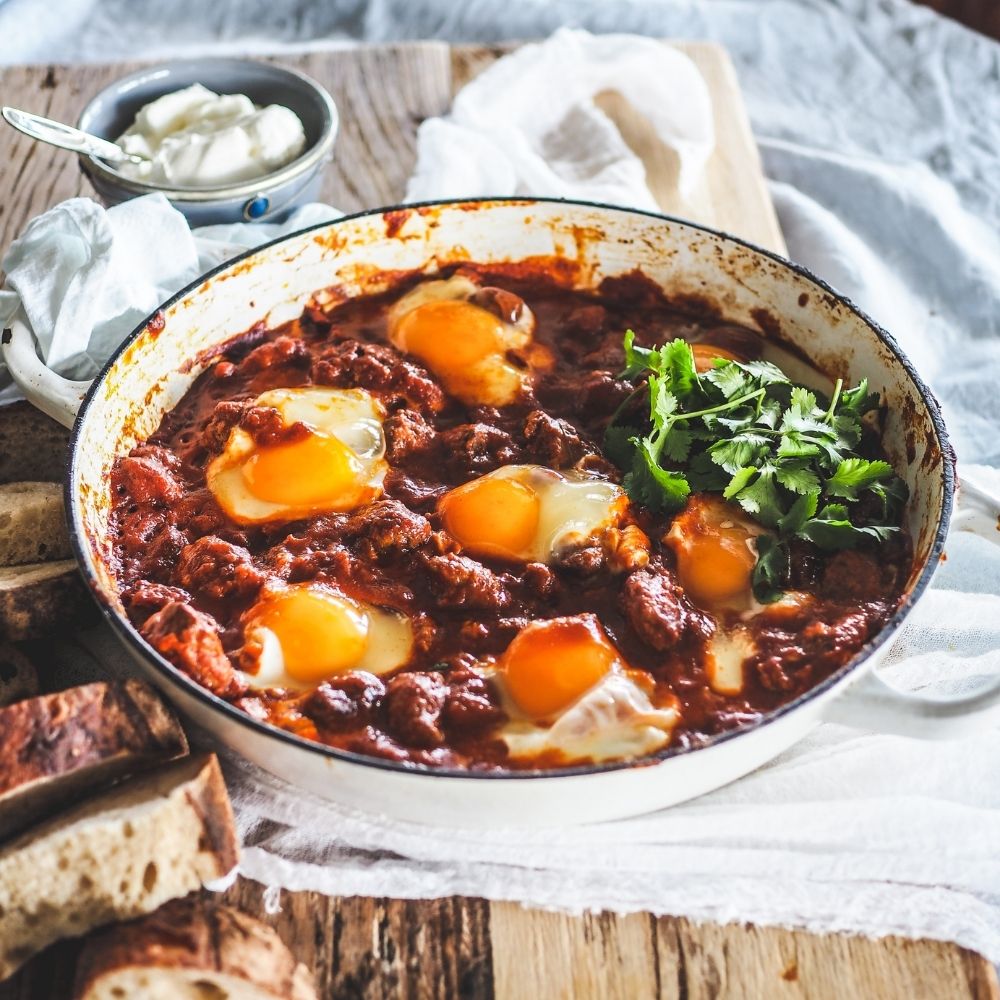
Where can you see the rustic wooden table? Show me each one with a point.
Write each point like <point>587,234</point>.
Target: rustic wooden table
<point>459,947</point>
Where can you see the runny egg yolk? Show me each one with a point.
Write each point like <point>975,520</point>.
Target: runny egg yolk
<point>550,664</point>
<point>492,516</point>
<point>449,335</point>
<point>320,634</point>
<point>277,474</point>
<point>716,550</point>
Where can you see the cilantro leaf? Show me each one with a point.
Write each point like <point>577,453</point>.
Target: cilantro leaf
<point>771,570</point>
<point>648,483</point>
<point>856,474</point>
<point>739,480</point>
<point>618,446</point>
<point>797,477</point>
<point>761,498</point>
<point>799,513</point>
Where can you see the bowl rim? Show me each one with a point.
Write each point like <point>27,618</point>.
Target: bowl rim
<point>131,638</point>
<point>312,157</point>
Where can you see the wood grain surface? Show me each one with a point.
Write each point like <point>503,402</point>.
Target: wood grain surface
<point>384,949</point>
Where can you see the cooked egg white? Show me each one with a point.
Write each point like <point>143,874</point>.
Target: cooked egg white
<point>462,343</point>
<point>567,691</point>
<point>337,466</point>
<point>530,513</point>
<point>301,635</point>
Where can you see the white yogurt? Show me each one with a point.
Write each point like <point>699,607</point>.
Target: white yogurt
<point>196,138</point>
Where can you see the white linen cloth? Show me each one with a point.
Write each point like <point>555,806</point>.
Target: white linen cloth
<point>847,830</point>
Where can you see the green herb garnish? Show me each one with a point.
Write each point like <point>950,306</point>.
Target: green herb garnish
<point>785,454</point>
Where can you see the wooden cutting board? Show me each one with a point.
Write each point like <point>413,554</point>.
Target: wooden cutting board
<point>459,947</point>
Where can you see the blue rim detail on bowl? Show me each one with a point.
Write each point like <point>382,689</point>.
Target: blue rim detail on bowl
<point>134,640</point>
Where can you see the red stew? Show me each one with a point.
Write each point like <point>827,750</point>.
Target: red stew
<point>188,573</point>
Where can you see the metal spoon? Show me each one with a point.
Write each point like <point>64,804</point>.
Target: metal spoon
<point>67,137</point>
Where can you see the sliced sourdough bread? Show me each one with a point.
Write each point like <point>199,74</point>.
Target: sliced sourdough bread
<point>32,524</point>
<point>119,855</point>
<point>18,680</point>
<point>40,596</point>
<point>32,445</point>
<point>191,949</point>
<point>58,746</point>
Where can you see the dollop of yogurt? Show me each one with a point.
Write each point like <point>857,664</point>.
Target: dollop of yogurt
<point>197,138</point>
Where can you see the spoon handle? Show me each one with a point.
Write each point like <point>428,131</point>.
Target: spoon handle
<point>66,137</point>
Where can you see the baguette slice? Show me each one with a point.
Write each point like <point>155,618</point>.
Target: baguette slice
<point>58,746</point>
<point>32,445</point>
<point>40,596</point>
<point>32,524</point>
<point>18,679</point>
<point>191,949</point>
<point>118,856</point>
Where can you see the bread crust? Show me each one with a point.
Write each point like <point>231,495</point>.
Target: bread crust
<point>117,856</point>
<point>32,445</point>
<point>18,677</point>
<point>198,935</point>
<point>39,596</point>
<point>56,746</point>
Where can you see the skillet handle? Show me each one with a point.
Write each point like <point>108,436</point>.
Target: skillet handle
<point>977,507</point>
<point>870,703</point>
<point>59,397</point>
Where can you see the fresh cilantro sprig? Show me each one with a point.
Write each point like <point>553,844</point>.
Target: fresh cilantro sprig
<point>785,454</point>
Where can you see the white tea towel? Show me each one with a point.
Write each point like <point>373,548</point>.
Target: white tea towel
<point>85,276</point>
<point>529,125</point>
<point>847,830</point>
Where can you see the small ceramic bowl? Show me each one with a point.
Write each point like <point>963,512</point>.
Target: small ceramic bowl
<point>270,198</point>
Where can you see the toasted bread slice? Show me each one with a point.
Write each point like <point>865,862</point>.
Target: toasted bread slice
<point>32,445</point>
<point>18,680</point>
<point>32,525</point>
<point>57,746</point>
<point>37,597</point>
<point>191,948</point>
<point>118,856</point>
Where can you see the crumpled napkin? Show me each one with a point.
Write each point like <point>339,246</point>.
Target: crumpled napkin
<point>85,276</point>
<point>528,124</point>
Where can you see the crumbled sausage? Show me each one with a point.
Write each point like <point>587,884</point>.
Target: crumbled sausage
<point>189,639</point>
<point>586,560</point>
<point>345,702</point>
<point>471,703</point>
<point>378,367</point>
<point>658,610</point>
<point>220,424</point>
<point>386,526</point>
<point>458,581</point>
<point>414,704</point>
<point>588,320</point>
<point>551,441</point>
<point>280,351</point>
<point>147,476</point>
<point>540,579</point>
<point>218,570</point>
<point>407,435</point>
<point>144,597</point>
<point>476,448</point>
<point>266,425</point>
<point>625,548</point>
<point>855,576</point>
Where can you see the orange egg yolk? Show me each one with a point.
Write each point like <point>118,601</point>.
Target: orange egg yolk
<point>320,634</point>
<point>318,469</point>
<point>715,551</point>
<point>492,516</point>
<point>550,664</point>
<point>705,355</point>
<point>449,335</point>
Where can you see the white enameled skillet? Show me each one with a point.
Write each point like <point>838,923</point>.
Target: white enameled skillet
<point>150,372</point>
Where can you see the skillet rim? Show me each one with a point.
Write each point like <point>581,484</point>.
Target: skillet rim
<point>131,638</point>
